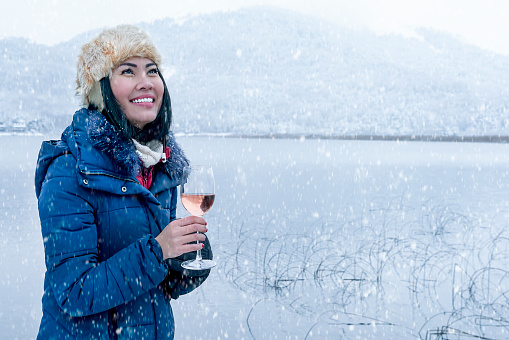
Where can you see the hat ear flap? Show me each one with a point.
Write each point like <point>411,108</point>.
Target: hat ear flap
<point>96,97</point>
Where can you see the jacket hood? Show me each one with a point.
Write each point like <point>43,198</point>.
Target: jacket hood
<point>49,151</point>
<point>100,149</point>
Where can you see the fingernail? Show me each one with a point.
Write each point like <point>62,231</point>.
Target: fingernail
<point>202,245</point>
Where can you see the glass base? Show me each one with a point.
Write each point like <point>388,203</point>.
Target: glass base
<point>198,265</point>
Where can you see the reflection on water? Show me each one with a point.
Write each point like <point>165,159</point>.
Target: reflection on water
<point>315,239</point>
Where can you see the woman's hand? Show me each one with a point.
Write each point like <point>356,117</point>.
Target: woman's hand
<point>176,238</point>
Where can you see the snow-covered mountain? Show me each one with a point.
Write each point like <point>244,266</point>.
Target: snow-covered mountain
<point>264,70</point>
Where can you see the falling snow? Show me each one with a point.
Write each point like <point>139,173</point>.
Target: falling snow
<point>315,237</point>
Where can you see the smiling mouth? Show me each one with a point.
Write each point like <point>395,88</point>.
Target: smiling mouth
<point>143,100</point>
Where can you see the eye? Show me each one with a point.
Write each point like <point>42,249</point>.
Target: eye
<point>127,71</point>
<point>153,71</point>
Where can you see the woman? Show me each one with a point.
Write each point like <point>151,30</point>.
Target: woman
<point>107,201</point>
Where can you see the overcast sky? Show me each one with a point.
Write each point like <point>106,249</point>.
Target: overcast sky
<point>481,22</point>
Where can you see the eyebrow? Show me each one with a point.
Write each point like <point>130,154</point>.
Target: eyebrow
<point>134,65</point>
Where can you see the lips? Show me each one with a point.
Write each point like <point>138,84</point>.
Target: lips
<point>143,101</point>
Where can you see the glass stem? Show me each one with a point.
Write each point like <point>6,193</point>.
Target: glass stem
<point>198,252</point>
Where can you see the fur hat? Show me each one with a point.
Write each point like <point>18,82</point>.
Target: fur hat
<point>102,54</point>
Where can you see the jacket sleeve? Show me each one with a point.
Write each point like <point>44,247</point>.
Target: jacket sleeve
<point>181,281</point>
<point>82,285</point>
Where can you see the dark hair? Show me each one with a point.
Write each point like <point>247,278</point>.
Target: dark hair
<point>158,129</point>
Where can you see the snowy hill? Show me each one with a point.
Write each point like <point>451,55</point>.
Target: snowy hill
<point>263,70</point>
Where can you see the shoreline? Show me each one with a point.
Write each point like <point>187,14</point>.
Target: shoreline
<point>311,136</point>
<point>363,137</point>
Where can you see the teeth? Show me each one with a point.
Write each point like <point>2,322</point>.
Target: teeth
<point>144,100</point>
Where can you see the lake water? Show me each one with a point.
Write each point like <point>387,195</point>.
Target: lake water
<point>315,239</point>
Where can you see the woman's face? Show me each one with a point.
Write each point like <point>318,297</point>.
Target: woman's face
<point>139,90</point>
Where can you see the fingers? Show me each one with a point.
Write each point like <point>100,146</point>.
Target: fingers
<point>180,236</point>
<point>189,226</point>
<point>188,244</point>
<point>188,248</point>
<point>193,228</point>
<point>192,220</point>
<point>193,238</point>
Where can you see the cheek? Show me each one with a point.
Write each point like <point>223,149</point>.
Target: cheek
<point>160,94</point>
<point>119,89</point>
<point>159,87</point>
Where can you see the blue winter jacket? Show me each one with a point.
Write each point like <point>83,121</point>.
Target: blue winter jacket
<point>105,275</point>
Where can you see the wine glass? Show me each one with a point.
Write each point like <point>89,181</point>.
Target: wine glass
<point>197,196</point>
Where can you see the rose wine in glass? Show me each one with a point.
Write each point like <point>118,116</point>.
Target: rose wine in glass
<point>197,196</point>
<point>197,205</point>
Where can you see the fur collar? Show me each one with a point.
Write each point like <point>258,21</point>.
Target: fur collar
<point>122,152</point>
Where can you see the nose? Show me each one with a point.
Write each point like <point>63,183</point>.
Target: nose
<point>144,83</point>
